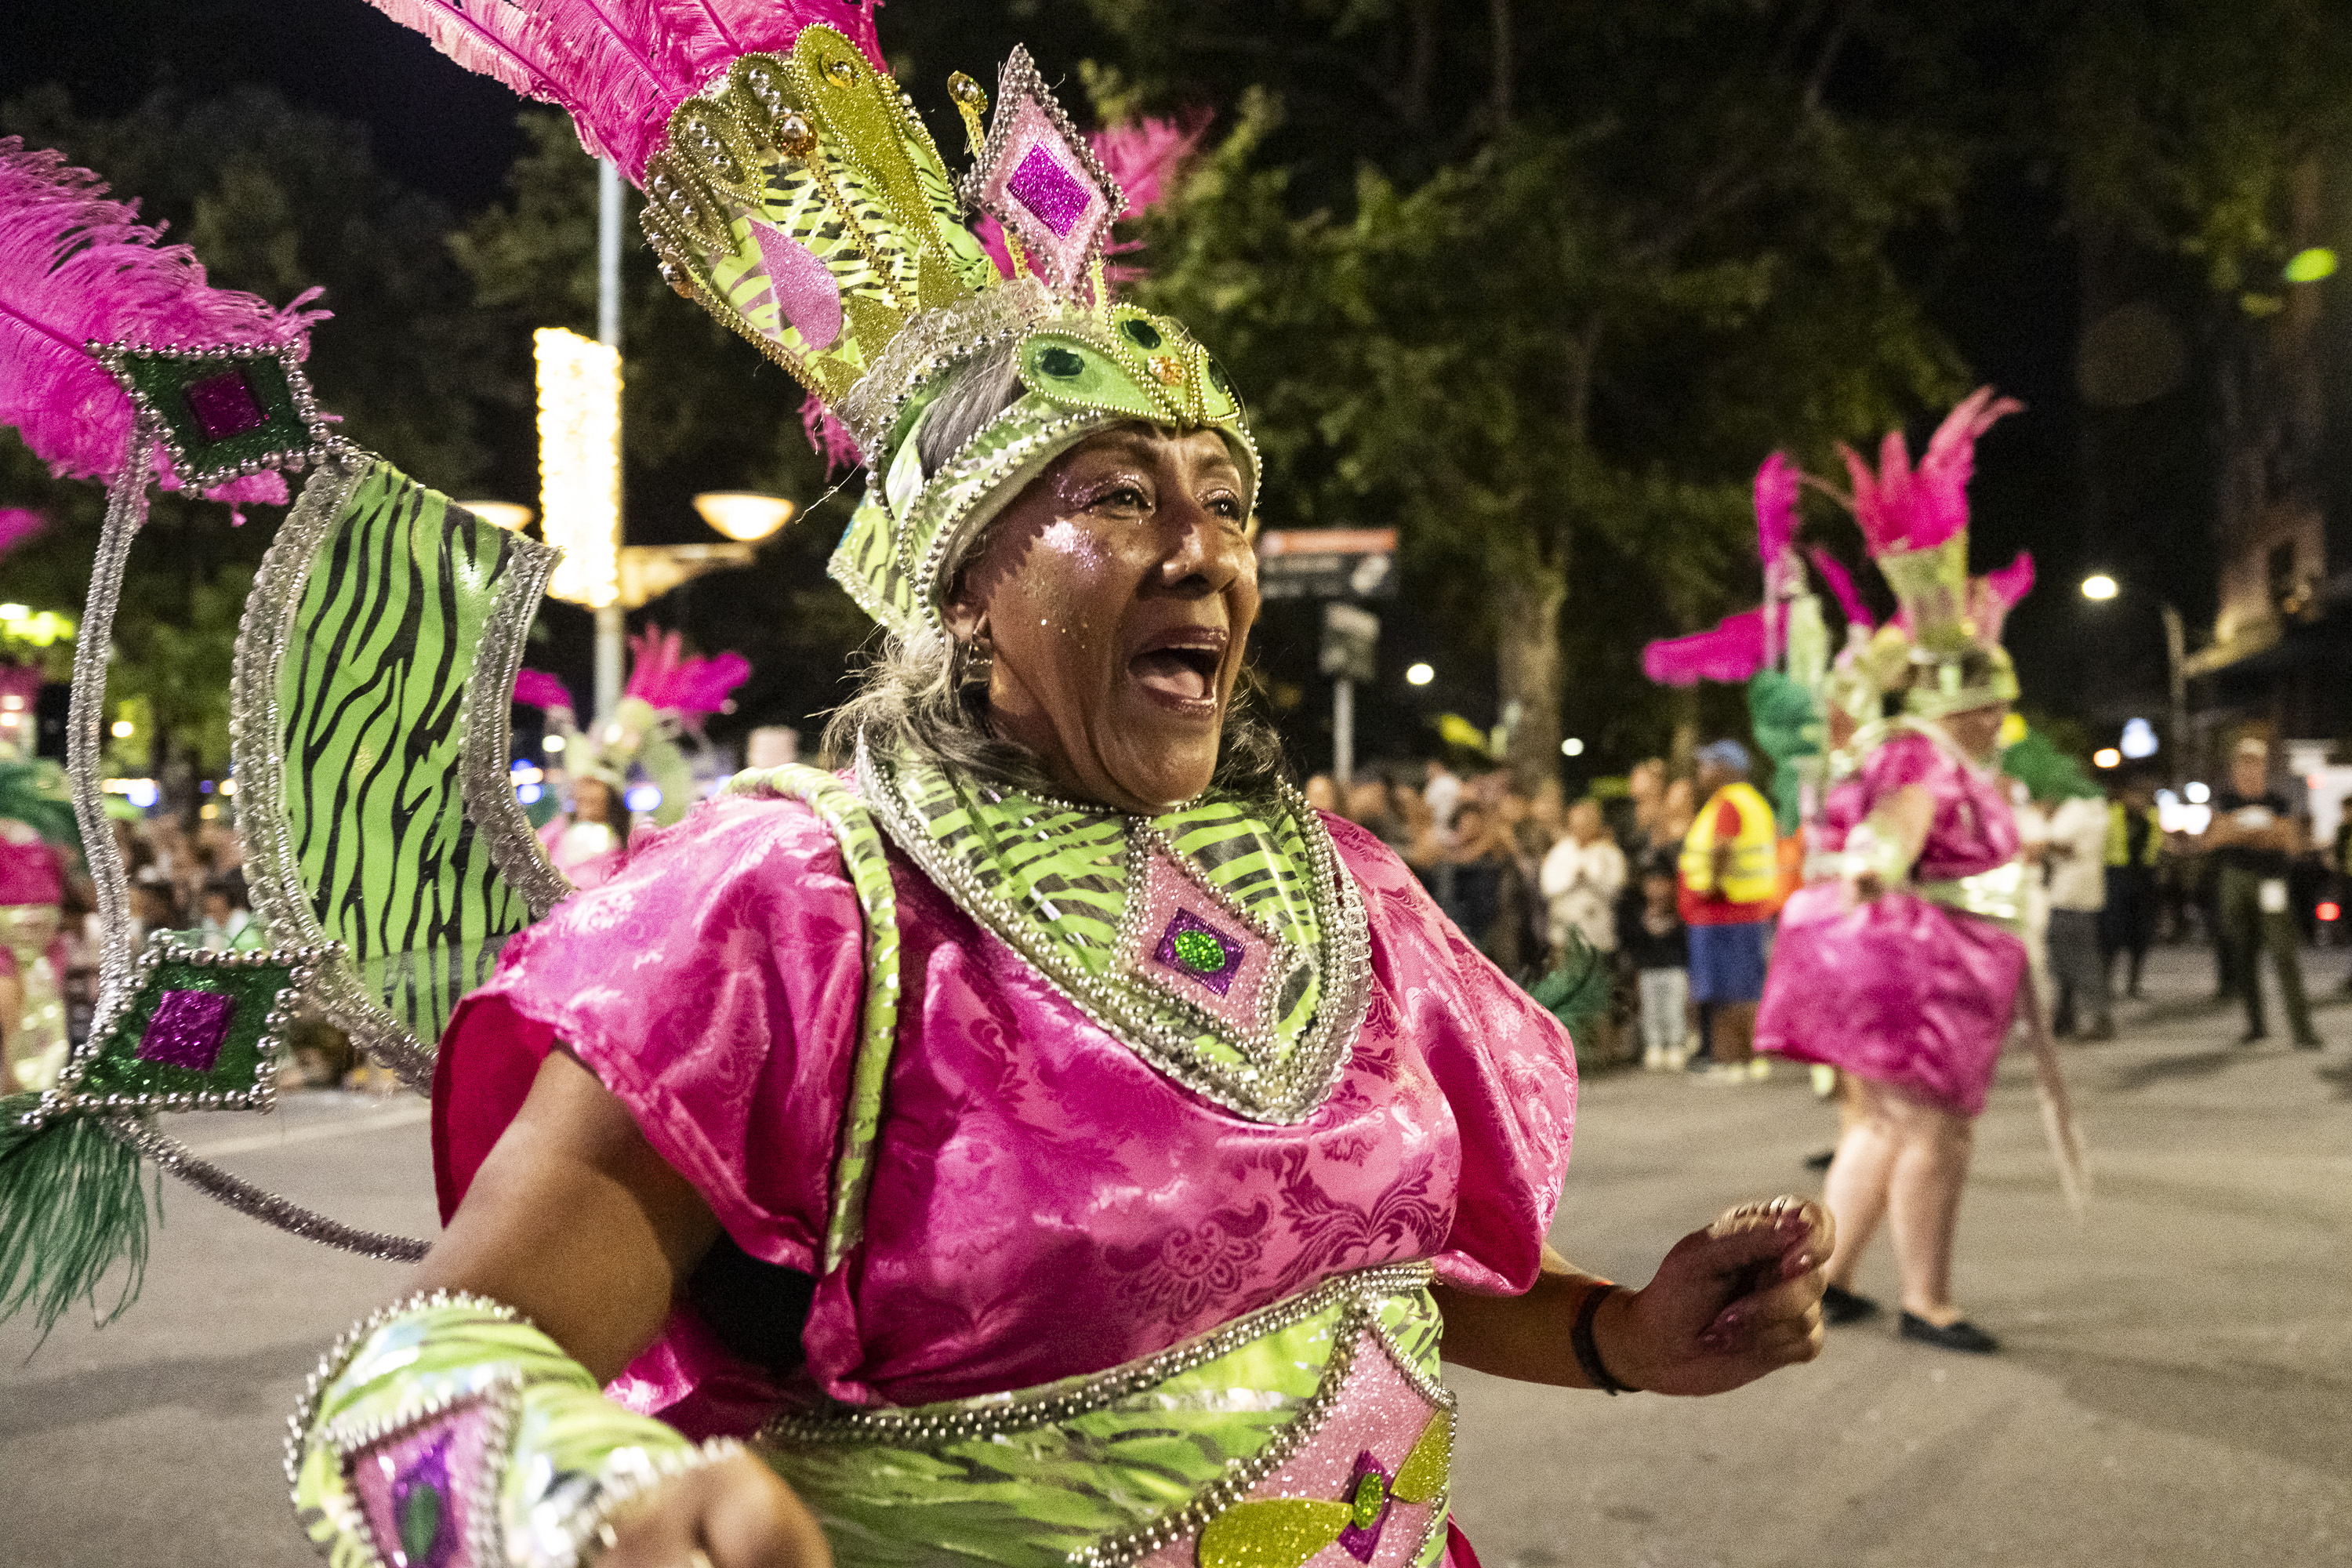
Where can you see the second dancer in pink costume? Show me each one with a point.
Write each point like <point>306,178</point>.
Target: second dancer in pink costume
<point>1903,964</point>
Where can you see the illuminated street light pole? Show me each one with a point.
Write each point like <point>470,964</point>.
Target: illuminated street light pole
<point>2099,587</point>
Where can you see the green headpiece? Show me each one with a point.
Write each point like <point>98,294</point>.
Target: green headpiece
<point>801,200</point>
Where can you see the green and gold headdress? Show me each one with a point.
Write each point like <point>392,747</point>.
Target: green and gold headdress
<point>801,201</point>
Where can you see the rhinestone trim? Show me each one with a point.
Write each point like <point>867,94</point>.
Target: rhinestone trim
<point>992,1415</point>
<point>272,868</point>
<point>1284,1093</point>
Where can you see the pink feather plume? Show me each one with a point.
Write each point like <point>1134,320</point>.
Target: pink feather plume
<point>828,437</point>
<point>538,689</point>
<point>76,267</point>
<point>1994,594</point>
<point>1733,652</point>
<point>18,524</point>
<point>1901,507</point>
<point>1841,583</point>
<point>1776,507</point>
<point>619,67</point>
<point>668,682</point>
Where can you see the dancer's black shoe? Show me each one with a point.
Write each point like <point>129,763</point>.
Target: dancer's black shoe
<point>1960,1336</point>
<point>1842,1306</point>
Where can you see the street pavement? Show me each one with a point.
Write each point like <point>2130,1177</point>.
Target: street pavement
<point>2175,1386</point>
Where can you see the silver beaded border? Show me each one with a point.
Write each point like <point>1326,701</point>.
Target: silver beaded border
<point>164,947</point>
<point>1135,951</point>
<point>347,1346</point>
<point>176,1159</point>
<point>323,441</point>
<point>486,723</point>
<point>1018,82</point>
<point>587,1528</point>
<point>126,509</point>
<point>992,1415</point>
<point>930,341</point>
<point>501,1396</point>
<point>1283,1095</point>
<point>257,729</point>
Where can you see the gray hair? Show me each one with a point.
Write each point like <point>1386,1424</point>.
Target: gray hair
<point>922,691</point>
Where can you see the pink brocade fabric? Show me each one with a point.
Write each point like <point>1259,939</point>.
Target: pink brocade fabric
<point>1899,989</point>
<point>1044,1204</point>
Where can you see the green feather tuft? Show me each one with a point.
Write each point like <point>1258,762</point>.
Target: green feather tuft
<point>1578,991</point>
<point>71,1208</point>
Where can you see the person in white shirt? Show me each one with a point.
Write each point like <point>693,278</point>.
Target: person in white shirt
<point>1582,876</point>
<point>2077,856</point>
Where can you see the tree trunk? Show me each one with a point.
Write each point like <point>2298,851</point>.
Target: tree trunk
<point>1527,667</point>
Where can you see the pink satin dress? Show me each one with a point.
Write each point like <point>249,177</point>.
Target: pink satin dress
<point>1901,989</point>
<point>1043,1203</point>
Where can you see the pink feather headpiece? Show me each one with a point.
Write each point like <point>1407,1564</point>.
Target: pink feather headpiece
<point>667,682</point>
<point>1994,594</point>
<point>1841,581</point>
<point>18,524</point>
<point>1733,652</point>
<point>76,267</point>
<point>1900,508</point>
<point>538,689</point>
<point>619,68</point>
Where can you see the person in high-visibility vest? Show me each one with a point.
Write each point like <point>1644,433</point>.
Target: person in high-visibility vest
<point>1730,875</point>
<point>2134,844</point>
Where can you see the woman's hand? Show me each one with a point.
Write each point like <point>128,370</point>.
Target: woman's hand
<point>733,1514</point>
<point>1728,1304</point>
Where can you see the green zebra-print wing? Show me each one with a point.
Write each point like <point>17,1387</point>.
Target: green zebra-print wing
<point>375,666</point>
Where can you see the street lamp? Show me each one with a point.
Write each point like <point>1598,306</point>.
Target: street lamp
<point>510,515</point>
<point>2100,587</point>
<point>1419,675</point>
<point>743,515</point>
<point>1571,747</point>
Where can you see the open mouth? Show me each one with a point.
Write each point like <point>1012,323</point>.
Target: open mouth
<point>1182,666</point>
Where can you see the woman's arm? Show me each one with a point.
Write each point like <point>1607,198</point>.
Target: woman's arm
<point>1887,842</point>
<point>1728,1304</point>
<point>576,1223</point>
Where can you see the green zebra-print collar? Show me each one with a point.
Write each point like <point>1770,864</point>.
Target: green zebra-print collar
<point>1221,941</point>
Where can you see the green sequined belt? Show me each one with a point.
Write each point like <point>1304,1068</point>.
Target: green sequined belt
<point>1315,1422</point>
<point>1998,895</point>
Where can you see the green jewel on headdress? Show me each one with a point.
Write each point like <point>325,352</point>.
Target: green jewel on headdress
<point>801,200</point>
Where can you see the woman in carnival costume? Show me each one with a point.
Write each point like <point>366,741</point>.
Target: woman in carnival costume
<point>1051,1142</point>
<point>1903,967</point>
<point>666,695</point>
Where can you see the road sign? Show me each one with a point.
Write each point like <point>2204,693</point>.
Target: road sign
<point>1351,642</point>
<point>1326,563</point>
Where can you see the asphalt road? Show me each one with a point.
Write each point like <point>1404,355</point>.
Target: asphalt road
<point>2176,1386</point>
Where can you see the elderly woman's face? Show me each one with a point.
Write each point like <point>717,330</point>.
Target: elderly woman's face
<point>1117,595</point>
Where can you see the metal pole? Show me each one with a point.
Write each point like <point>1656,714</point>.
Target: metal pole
<point>2176,653</point>
<point>611,620</point>
<point>1343,732</point>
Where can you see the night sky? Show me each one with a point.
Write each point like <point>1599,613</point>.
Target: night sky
<point>2000,283</point>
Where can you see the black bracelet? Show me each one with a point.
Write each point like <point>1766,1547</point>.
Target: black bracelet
<point>1588,1353</point>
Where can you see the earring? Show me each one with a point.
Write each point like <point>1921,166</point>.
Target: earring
<point>975,662</point>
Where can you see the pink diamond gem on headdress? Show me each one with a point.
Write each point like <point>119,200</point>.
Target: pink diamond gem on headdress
<point>417,1491</point>
<point>187,1029</point>
<point>805,294</point>
<point>1050,191</point>
<point>225,406</point>
<point>1038,178</point>
<point>1190,945</point>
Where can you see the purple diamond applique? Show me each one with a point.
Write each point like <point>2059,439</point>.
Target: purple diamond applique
<point>1368,1497</point>
<point>187,1029</point>
<point>415,1490</point>
<point>223,406</point>
<point>1192,946</point>
<point>1057,198</point>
